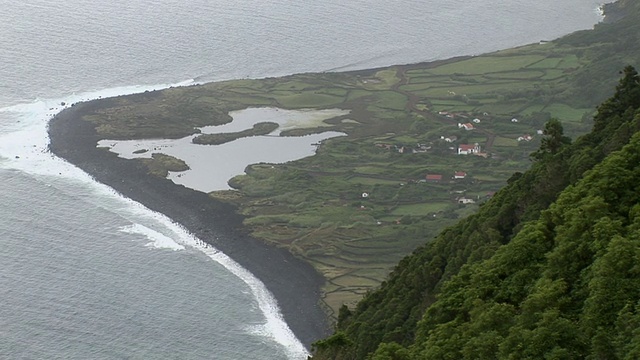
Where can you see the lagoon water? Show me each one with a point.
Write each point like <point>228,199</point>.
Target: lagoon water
<point>87,274</point>
<point>210,167</point>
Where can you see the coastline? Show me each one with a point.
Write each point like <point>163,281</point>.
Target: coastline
<point>293,282</point>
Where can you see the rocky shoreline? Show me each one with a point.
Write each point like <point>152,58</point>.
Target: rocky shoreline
<point>293,282</point>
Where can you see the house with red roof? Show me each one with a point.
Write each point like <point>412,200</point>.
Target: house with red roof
<point>459,175</point>
<point>466,126</point>
<point>434,177</point>
<point>466,149</point>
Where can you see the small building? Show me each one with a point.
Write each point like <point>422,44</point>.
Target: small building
<point>465,201</point>
<point>466,126</point>
<point>514,120</point>
<point>459,175</point>
<point>467,149</point>
<point>525,138</point>
<point>449,139</point>
<point>433,177</point>
<point>476,120</point>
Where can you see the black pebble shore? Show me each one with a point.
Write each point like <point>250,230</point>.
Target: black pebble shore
<point>293,282</point>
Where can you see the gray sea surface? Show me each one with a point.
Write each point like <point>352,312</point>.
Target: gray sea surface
<point>87,274</point>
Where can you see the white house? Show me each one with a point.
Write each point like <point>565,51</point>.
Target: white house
<point>466,149</point>
<point>466,201</point>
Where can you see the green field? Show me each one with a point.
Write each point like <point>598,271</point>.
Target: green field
<point>488,64</point>
<point>566,112</point>
<point>420,209</point>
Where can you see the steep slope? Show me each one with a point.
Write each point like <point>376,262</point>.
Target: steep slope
<point>564,287</point>
<point>474,289</point>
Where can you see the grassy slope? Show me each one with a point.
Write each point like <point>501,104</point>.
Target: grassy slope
<point>314,206</point>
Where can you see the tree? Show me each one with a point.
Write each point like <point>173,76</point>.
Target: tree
<point>627,95</point>
<point>390,351</point>
<point>553,139</point>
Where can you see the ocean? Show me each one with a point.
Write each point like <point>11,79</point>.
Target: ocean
<point>88,274</point>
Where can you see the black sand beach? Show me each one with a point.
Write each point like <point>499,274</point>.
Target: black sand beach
<point>294,283</point>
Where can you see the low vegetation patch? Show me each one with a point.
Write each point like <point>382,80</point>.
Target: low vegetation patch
<point>160,164</point>
<point>262,128</point>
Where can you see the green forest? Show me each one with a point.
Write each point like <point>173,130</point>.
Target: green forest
<point>549,268</point>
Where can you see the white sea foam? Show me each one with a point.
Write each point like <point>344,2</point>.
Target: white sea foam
<point>275,328</point>
<point>24,143</point>
<point>600,10</point>
<point>25,148</point>
<point>158,240</point>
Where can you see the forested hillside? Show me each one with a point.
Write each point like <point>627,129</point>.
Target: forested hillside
<point>548,268</point>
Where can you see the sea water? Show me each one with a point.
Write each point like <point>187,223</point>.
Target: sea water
<point>85,273</point>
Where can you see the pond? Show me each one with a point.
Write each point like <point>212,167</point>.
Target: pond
<point>211,166</point>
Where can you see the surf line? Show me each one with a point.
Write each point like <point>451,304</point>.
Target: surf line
<point>25,148</point>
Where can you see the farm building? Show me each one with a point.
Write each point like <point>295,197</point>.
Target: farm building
<point>466,149</point>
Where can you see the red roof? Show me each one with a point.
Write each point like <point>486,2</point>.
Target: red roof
<point>466,147</point>
<point>434,177</point>
<point>460,173</point>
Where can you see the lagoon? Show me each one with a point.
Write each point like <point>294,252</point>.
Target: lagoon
<point>212,166</point>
